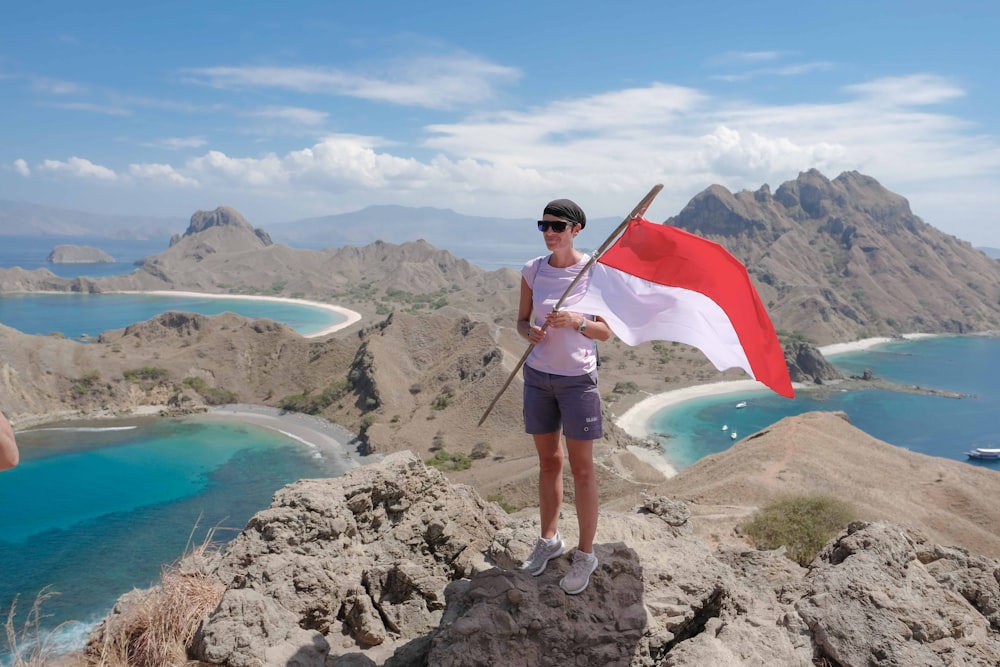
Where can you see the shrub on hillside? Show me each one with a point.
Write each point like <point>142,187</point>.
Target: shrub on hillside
<point>211,395</point>
<point>801,524</point>
<point>446,462</point>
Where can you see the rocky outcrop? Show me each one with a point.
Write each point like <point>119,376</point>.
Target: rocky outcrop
<point>78,254</point>
<point>392,565</point>
<point>807,364</point>
<point>221,217</point>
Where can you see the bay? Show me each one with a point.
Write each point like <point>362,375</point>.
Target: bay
<point>932,425</point>
<point>95,509</point>
<point>89,315</point>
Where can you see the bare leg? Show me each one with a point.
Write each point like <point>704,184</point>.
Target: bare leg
<point>550,482</point>
<point>581,461</point>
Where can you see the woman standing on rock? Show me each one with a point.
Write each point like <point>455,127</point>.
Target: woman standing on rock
<point>560,390</point>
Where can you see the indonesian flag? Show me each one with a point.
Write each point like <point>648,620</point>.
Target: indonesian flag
<point>661,283</point>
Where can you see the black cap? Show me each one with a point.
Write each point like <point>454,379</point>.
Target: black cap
<point>567,210</point>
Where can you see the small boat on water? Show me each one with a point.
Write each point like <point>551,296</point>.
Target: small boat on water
<point>984,453</point>
<point>741,404</point>
<point>725,427</point>
<point>734,435</point>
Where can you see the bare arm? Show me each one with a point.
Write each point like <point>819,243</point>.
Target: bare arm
<point>524,324</point>
<point>9,456</point>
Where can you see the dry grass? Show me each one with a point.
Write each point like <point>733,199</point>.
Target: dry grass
<point>27,645</point>
<point>155,629</point>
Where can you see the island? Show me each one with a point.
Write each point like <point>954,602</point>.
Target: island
<point>78,254</point>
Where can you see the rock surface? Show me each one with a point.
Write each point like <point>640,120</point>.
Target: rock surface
<point>393,565</point>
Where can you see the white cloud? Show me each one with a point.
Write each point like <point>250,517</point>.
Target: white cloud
<point>178,143</point>
<point>604,150</point>
<point>57,86</point>
<point>21,167</point>
<point>437,82</point>
<point>92,108</point>
<point>296,115</point>
<point>161,173</point>
<point>80,168</point>
<point>917,89</point>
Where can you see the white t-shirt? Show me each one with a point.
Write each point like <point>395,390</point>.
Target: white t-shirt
<point>564,351</point>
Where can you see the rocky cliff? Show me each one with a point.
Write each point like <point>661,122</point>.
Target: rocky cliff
<point>392,565</point>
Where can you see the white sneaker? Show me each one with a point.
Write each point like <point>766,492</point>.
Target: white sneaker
<point>578,577</point>
<point>543,552</point>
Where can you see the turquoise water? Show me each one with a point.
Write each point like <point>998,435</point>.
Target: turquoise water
<point>94,511</point>
<point>77,315</point>
<point>932,425</point>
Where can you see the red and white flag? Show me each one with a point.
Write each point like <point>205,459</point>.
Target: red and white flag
<point>658,282</point>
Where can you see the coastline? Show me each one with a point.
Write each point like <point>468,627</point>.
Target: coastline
<point>350,315</point>
<point>635,420</point>
<point>325,438</point>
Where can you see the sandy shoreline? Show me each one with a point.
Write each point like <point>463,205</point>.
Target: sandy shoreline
<point>350,315</point>
<point>327,439</point>
<point>635,420</point>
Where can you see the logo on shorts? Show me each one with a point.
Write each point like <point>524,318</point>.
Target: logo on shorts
<point>590,420</point>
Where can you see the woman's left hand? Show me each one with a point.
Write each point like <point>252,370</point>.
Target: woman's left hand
<point>563,319</point>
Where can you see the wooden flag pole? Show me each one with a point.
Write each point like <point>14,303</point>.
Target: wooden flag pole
<point>637,212</point>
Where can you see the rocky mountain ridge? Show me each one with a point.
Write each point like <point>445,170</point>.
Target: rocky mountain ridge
<point>847,259</point>
<point>832,260</point>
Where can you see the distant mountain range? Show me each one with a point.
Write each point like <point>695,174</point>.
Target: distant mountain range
<point>26,219</point>
<point>463,235</point>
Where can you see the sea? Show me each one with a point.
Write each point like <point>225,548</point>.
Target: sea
<point>920,422</point>
<point>96,509</point>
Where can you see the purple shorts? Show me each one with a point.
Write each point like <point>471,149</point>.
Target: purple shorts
<point>570,401</point>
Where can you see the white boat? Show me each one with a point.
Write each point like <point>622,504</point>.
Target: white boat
<point>725,427</point>
<point>733,435</point>
<point>741,404</point>
<point>984,453</point>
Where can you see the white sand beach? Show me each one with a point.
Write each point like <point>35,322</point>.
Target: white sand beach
<point>635,420</point>
<point>327,439</point>
<point>351,316</point>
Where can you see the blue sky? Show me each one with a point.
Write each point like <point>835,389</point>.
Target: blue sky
<point>300,109</point>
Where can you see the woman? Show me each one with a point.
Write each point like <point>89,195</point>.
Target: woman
<point>560,390</point>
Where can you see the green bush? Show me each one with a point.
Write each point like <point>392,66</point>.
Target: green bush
<point>801,524</point>
<point>211,395</point>
<point>149,373</point>
<point>446,462</point>
<point>625,388</point>
<point>312,404</point>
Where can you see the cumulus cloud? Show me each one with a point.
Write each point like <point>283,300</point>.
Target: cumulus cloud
<point>21,167</point>
<point>80,168</point>
<point>604,149</point>
<point>161,173</point>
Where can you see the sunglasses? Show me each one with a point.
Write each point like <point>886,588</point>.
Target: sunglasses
<point>558,226</point>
